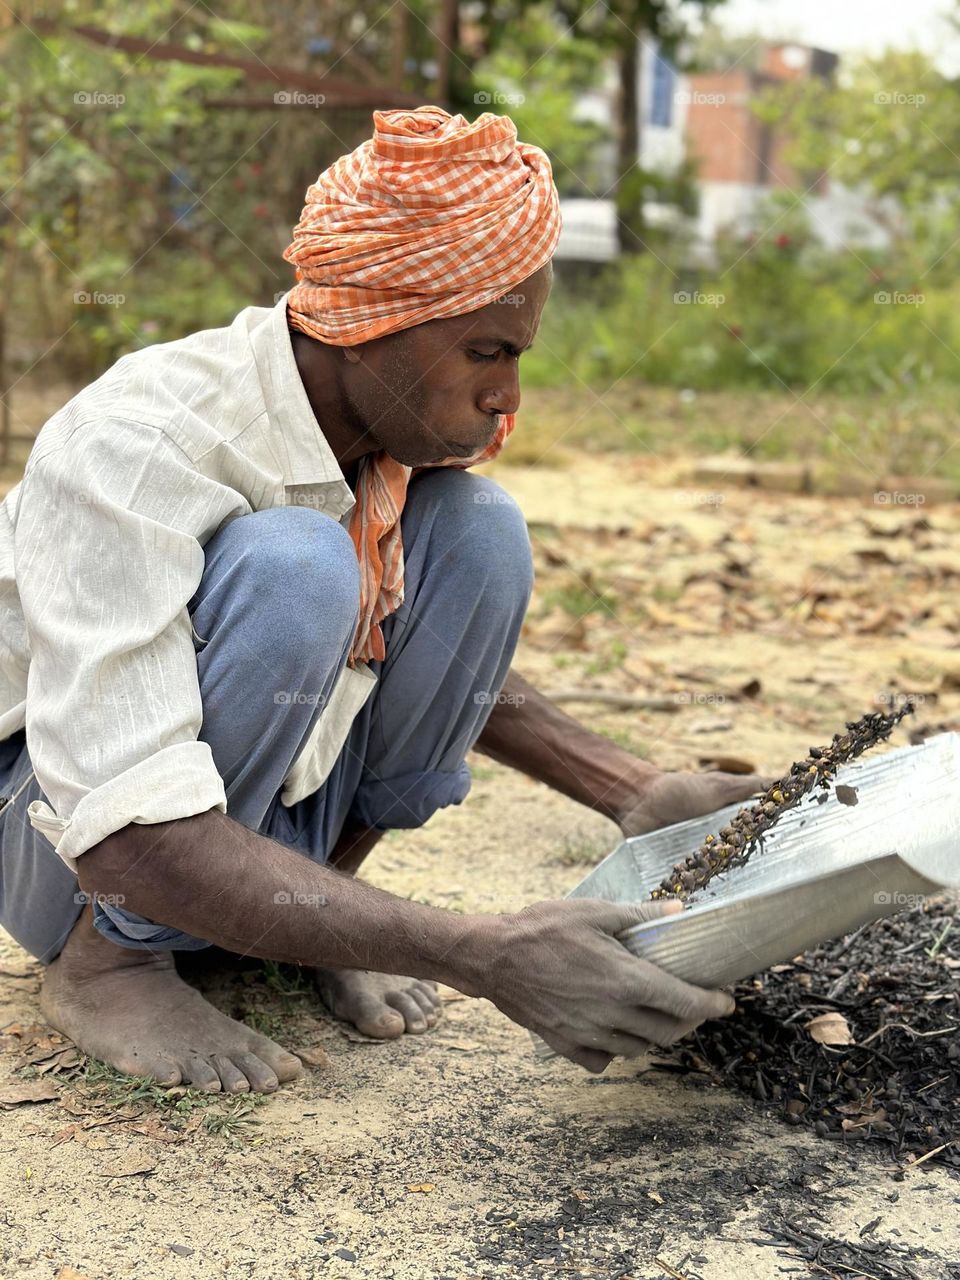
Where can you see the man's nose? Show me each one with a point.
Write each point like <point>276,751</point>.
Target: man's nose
<point>502,396</point>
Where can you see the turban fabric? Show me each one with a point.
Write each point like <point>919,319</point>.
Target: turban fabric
<point>432,217</point>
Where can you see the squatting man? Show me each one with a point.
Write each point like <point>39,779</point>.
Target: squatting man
<point>256,612</point>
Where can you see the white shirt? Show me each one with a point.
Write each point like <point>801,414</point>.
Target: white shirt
<point>101,549</point>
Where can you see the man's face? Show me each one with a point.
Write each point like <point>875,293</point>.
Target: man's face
<point>437,390</point>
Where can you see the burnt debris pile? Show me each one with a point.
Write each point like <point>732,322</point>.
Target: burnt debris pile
<point>891,989</point>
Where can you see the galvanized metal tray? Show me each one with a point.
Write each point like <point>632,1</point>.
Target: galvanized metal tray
<point>826,869</point>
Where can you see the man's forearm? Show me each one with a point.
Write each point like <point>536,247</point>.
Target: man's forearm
<point>216,879</point>
<point>530,733</point>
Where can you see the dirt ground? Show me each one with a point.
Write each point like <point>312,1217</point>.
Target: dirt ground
<point>760,622</point>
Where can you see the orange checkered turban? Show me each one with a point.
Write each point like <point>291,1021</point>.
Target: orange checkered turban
<point>432,217</point>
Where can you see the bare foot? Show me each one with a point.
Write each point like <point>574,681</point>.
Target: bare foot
<point>131,1009</point>
<point>380,1005</point>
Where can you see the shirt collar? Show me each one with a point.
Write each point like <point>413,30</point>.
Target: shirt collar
<point>307,457</point>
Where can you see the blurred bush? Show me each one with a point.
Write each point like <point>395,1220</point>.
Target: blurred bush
<point>777,310</point>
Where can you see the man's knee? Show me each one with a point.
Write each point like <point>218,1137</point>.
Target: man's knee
<point>297,574</point>
<point>484,530</point>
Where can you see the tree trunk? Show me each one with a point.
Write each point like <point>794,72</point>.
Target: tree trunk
<point>400,45</point>
<point>447,30</point>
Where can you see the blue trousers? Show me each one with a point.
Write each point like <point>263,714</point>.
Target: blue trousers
<point>276,609</point>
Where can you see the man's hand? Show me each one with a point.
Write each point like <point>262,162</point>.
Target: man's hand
<point>528,732</point>
<point>667,798</point>
<point>558,969</point>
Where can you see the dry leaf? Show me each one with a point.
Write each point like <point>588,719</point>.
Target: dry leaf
<point>872,1117</point>
<point>154,1128</point>
<point>70,1273</point>
<point>655,1197</point>
<point>830,1028</point>
<point>315,1057</point>
<point>15,1095</point>
<point>354,1036</point>
<point>424,1187</point>
<point>726,764</point>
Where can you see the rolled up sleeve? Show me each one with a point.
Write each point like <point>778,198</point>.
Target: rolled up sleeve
<point>109,551</point>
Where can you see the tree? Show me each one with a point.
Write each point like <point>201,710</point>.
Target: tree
<point>538,79</point>
<point>890,127</point>
<point>149,171</point>
<point>612,26</point>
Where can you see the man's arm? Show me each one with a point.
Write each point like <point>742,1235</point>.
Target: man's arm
<point>530,733</point>
<point>555,967</point>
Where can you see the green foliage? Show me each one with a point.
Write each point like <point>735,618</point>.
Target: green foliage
<point>124,184</point>
<point>537,80</point>
<point>890,127</point>
<point>776,311</point>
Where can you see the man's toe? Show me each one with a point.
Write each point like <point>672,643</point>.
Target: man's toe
<point>413,1015</point>
<point>285,1066</point>
<point>159,1069</point>
<point>261,1077</point>
<point>199,1074</point>
<point>372,1017</point>
<point>431,1009</point>
<point>232,1078</point>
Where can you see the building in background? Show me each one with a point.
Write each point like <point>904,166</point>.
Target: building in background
<point>706,118</point>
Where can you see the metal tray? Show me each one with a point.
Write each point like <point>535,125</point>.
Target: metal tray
<point>825,869</point>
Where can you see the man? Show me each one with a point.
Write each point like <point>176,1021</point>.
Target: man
<point>256,612</point>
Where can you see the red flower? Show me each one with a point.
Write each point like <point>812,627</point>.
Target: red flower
<point>782,241</point>
<point>261,211</point>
